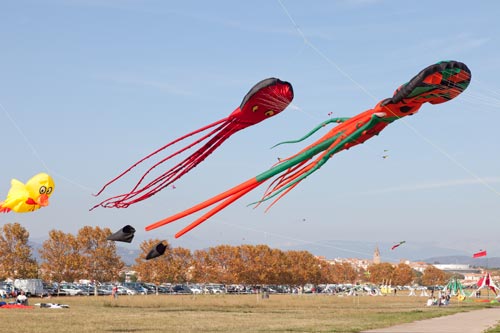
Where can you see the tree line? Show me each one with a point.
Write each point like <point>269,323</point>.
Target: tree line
<point>88,255</point>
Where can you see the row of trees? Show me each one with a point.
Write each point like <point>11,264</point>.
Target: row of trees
<point>65,257</point>
<point>245,264</point>
<point>403,274</point>
<point>88,255</point>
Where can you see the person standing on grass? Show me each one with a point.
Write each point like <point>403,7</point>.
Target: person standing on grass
<point>114,292</point>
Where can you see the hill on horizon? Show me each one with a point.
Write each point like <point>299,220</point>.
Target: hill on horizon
<point>331,249</point>
<point>413,251</point>
<point>493,262</point>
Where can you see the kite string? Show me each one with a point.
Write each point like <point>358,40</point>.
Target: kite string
<point>324,56</point>
<point>35,152</point>
<point>487,88</point>
<point>280,235</point>
<point>361,87</point>
<point>455,161</point>
<point>26,140</point>
<point>492,100</point>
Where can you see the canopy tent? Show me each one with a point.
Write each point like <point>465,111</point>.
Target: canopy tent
<point>486,282</point>
<point>455,288</point>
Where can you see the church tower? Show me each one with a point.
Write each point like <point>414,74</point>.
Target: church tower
<point>376,256</point>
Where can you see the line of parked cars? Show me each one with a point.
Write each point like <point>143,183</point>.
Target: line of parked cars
<point>127,288</point>
<point>139,288</point>
<point>75,289</point>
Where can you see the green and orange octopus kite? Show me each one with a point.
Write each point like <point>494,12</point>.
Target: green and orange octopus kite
<point>435,84</point>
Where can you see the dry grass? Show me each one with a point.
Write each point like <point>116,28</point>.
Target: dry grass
<point>223,313</point>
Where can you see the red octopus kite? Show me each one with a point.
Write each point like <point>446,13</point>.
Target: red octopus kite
<point>266,99</point>
<point>435,84</point>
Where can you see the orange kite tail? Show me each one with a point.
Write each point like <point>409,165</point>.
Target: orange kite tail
<point>218,208</point>
<point>243,187</point>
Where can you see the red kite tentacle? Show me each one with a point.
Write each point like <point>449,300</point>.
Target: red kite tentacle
<point>179,170</point>
<point>161,149</point>
<point>124,200</point>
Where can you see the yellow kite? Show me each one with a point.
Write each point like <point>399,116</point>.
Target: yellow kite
<point>33,195</point>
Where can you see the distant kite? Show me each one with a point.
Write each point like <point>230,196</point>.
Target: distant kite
<point>397,245</point>
<point>33,195</point>
<point>125,234</point>
<point>266,99</point>
<point>435,84</point>
<point>481,253</point>
<point>156,251</point>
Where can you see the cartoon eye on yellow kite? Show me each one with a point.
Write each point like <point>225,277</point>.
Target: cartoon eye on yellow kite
<point>33,195</point>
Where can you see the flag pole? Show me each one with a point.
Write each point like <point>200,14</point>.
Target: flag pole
<point>488,275</point>
<point>483,253</point>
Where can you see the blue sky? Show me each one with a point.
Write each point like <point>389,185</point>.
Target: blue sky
<point>88,87</point>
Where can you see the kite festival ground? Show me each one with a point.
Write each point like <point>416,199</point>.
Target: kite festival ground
<point>242,313</point>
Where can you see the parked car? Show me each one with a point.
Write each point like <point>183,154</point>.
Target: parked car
<point>213,290</point>
<point>137,287</point>
<point>150,287</point>
<point>165,290</point>
<point>71,289</point>
<point>435,288</point>
<point>181,289</point>
<point>122,290</point>
<point>105,290</point>
<point>91,290</point>
<point>195,289</point>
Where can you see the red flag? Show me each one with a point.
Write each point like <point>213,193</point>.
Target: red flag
<point>479,254</point>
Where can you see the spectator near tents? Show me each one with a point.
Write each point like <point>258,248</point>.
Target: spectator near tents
<point>486,282</point>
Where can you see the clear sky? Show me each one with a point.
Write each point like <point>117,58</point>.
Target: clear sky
<point>88,87</point>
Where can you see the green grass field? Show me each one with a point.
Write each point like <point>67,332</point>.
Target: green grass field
<point>224,313</point>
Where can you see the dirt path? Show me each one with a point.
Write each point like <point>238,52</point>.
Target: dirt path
<point>476,321</point>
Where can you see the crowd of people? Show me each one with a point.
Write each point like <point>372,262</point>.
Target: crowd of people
<point>441,300</point>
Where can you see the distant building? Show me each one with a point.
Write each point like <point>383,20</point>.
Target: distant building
<point>376,256</point>
<point>457,268</point>
<point>354,262</point>
<point>419,266</point>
